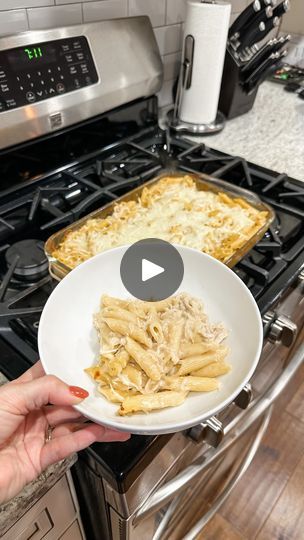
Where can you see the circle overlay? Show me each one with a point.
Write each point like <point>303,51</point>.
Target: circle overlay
<point>157,252</point>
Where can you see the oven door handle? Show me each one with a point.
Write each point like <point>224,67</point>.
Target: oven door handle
<point>221,498</point>
<point>181,481</point>
<point>217,503</point>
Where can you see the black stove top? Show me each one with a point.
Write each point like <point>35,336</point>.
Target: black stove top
<point>126,149</point>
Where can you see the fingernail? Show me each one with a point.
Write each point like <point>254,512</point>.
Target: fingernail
<point>120,435</point>
<point>79,393</point>
<point>126,437</point>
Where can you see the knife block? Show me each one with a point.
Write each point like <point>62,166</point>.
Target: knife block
<point>234,99</point>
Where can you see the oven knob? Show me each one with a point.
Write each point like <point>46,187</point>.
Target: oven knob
<point>211,432</point>
<point>243,399</point>
<point>301,278</point>
<point>280,328</point>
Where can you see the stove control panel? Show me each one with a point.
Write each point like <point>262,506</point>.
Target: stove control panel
<point>43,70</point>
<point>55,78</point>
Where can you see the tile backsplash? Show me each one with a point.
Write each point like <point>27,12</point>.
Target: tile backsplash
<point>167,17</point>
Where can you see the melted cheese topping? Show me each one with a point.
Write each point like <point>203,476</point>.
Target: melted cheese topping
<point>174,210</point>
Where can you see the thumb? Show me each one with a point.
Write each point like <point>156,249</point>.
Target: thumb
<point>32,395</point>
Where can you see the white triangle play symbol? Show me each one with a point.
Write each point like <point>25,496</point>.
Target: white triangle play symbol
<point>150,270</point>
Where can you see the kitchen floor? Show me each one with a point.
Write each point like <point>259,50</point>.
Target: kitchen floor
<point>268,504</point>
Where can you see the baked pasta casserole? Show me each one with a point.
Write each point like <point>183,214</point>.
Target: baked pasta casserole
<point>172,209</point>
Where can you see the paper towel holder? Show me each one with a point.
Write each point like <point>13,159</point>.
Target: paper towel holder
<point>196,129</point>
<point>184,82</point>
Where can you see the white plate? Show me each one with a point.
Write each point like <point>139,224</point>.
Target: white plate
<point>68,341</point>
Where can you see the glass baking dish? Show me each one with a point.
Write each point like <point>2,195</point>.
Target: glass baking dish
<point>203,182</point>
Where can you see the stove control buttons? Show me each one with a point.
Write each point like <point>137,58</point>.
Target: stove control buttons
<point>76,45</point>
<point>10,103</point>
<point>279,328</point>
<point>66,66</point>
<point>60,88</point>
<point>211,432</point>
<point>4,87</point>
<point>84,69</point>
<point>30,96</point>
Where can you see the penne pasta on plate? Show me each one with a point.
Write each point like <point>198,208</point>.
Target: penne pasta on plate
<point>152,354</point>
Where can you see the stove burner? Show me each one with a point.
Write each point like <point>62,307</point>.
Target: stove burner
<point>274,230</point>
<point>28,260</point>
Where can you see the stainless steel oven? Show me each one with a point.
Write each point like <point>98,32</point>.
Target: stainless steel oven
<point>189,478</point>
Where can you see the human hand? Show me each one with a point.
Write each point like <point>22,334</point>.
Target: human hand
<point>28,407</point>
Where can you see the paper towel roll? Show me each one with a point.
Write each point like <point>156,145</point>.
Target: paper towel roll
<point>208,23</point>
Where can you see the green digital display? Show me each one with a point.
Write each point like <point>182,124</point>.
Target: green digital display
<point>36,55</point>
<point>33,52</point>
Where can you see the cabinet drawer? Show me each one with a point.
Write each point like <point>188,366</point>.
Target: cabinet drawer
<point>48,518</point>
<point>73,532</point>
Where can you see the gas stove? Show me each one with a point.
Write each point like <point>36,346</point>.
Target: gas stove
<point>34,208</point>
<point>55,179</point>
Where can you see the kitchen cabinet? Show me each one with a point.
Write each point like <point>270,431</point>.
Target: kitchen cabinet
<point>54,516</point>
<point>74,532</point>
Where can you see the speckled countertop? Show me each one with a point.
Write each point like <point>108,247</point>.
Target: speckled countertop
<point>11,511</point>
<point>271,134</point>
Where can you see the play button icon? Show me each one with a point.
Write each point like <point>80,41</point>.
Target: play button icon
<point>151,269</point>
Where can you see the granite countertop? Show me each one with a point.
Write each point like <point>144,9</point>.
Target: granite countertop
<point>270,135</point>
<point>13,510</point>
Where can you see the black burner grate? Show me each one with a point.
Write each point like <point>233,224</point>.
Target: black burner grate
<point>59,198</point>
<point>37,208</point>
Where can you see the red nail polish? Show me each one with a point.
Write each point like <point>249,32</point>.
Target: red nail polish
<point>78,392</point>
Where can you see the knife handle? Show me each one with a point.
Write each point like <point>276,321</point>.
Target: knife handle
<point>272,46</point>
<point>257,34</point>
<point>282,42</point>
<point>259,57</point>
<point>269,67</point>
<point>260,68</point>
<point>280,10</point>
<point>244,17</point>
<point>261,16</point>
